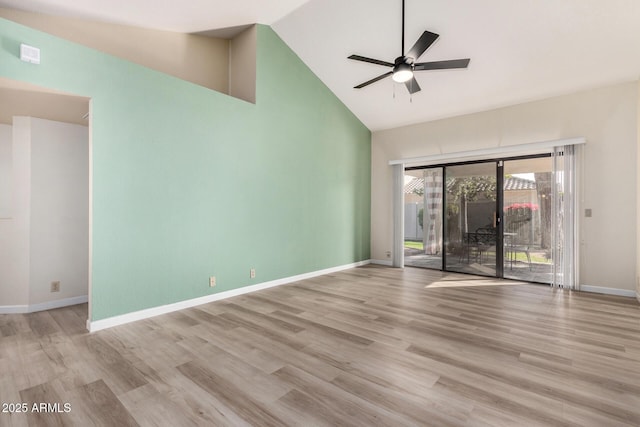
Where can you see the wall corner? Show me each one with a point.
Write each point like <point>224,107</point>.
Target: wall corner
<point>637,287</point>
<point>242,65</point>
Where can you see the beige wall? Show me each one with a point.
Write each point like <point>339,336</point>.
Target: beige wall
<point>14,231</point>
<point>51,106</point>
<point>608,119</point>
<point>6,171</point>
<point>198,59</point>
<point>638,201</point>
<point>242,65</point>
<point>59,217</point>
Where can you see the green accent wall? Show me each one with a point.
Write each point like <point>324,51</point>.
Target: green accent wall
<point>190,183</point>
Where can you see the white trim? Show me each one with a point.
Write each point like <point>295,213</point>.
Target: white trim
<point>397,255</point>
<point>90,207</point>
<point>58,303</point>
<point>49,305</point>
<point>14,309</point>
<point>98,325</point>
<point>385,262</point>
<point>484,153</point>
<point>608,291</point>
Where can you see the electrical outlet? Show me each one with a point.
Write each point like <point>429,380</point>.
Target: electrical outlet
<point>55,286</point>
<point>252,273</point>
<point>212,281</point>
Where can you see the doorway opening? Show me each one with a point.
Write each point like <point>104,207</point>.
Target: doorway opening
<point>44,198</point>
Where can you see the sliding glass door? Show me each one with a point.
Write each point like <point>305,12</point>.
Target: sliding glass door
<point>504,218</point>
<point>471,219</point>
<point>527,208</point>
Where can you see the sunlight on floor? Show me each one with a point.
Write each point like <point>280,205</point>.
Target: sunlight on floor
<point>459,283</point>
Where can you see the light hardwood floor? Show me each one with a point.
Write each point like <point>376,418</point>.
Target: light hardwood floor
<point>368,346</point>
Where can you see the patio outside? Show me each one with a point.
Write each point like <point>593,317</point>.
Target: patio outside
<point>538,270</point>
<point>471,225</point>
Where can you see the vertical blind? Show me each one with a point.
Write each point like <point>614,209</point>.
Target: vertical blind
<point>564,218</point>
<point>398,216</point>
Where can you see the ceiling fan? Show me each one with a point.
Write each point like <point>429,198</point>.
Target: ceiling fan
<point>404,66</point>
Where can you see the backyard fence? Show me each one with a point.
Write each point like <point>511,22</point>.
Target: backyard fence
<point>412,228</point>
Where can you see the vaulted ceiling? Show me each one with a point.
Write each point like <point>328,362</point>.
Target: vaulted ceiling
<point>520,50</point>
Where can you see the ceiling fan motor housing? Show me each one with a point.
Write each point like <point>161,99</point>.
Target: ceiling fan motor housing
<point>402,70</point>
<point>404,60</point>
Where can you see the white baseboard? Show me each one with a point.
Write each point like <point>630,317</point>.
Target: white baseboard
<point>49,305</point>
<point>608,291</point>
<point>386,262</point>
<point>14,309</point>
<point>98,325</point>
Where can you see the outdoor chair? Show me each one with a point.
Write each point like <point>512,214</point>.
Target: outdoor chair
<point>487,240</point>
<point>517,240</point>
<point>512,252</point>
<point>477,244</point>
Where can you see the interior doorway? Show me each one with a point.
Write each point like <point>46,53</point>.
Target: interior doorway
<point>44,198</point>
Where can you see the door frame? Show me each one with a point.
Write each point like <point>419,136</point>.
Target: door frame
<point>499,208</point>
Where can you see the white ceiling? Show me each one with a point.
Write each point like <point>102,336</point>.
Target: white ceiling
<point>520,50</point>
<point>187,16</point>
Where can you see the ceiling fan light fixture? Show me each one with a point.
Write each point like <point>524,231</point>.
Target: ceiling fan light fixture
<point>402,73</point>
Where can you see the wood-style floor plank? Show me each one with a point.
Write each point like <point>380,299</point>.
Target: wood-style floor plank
<point>366,346</point>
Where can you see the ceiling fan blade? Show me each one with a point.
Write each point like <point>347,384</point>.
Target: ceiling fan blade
<point>412,86</point>
<point>370,60</point>
<point>441,65</point>
<point>367,83</point>
<point>426,39</point>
